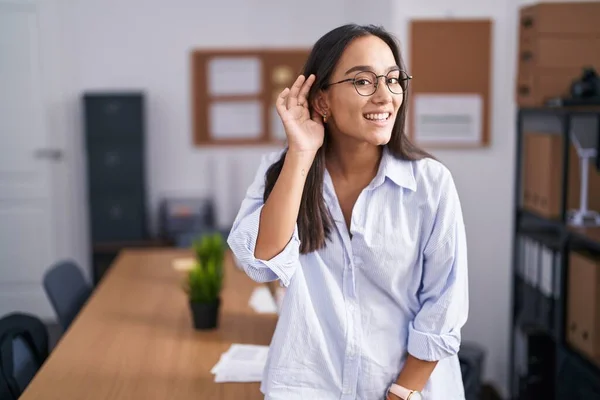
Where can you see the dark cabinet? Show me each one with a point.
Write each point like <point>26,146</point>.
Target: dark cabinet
<point>114,117</point>
<point>116,180</point>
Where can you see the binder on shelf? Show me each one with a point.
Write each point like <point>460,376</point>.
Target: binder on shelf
<point>583,305</point>
<point>537,291</point>
<point>542,171</point>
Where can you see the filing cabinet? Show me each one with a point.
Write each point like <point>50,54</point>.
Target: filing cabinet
<point>114,132</point>
<point>116,118</point>
<point>115,166</point>
<point>117,216</point>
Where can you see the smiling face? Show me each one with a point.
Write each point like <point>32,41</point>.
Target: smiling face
<point>366,118</point>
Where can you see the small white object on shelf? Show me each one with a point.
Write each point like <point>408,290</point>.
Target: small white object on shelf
<point>583,217</point>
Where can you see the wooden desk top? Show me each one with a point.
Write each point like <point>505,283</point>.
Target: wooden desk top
<point>134,339</point>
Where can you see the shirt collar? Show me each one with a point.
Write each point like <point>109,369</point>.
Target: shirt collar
<point>397,170</point>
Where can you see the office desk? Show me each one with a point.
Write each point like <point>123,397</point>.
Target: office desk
<point>134,339</point>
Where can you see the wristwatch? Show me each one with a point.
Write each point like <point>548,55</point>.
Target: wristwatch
<point>404,393</point>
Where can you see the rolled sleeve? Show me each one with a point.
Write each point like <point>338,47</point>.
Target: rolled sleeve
<point>242,241</point>
<point>435,332</point>
<point>244,233</point>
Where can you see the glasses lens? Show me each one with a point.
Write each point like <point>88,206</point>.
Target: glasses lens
<point>397,81</point>
<point>364,82</point>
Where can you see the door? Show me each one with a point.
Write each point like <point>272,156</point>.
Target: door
<point>28,238</point>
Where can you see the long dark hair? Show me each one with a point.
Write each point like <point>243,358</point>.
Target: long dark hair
<point>314,220</point>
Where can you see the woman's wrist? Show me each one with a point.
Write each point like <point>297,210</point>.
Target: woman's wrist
<point>300,161</point>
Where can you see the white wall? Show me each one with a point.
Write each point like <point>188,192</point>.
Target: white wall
<point>145,44</point>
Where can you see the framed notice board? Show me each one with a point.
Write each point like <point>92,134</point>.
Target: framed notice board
<point>451,64</point>
<point>234,93</point>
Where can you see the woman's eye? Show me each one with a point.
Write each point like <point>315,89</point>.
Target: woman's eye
<point>393,81</point>
<point>363,82</point>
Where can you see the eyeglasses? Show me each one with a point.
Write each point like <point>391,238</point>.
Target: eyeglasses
<point>367,82</point>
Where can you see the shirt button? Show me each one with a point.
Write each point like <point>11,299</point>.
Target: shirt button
<point>351,307</point>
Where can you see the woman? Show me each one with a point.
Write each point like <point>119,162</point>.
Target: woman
<point>364,230</point>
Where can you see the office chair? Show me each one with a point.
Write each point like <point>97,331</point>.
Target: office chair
<point>67,291</point>
<point>23,350</point>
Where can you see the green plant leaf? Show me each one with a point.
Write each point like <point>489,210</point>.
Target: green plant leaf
<point>204,282</point>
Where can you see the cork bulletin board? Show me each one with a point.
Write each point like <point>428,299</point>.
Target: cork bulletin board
<point>234,93</point>
<point>450,60</point>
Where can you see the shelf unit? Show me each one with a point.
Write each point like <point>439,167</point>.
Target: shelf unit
<point>540,354</point>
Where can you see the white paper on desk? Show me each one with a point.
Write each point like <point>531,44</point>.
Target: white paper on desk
<point>241,356</point>
<point>241,363</point>
<point>239,374</point>
<point>262,301</point>
<point>448,118</point>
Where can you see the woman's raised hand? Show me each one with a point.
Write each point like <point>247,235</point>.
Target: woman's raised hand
<point>304,132</point>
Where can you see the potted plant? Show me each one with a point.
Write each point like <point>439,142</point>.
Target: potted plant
<point>204,280</point>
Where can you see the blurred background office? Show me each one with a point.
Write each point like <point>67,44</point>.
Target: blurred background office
<point>72,196</point>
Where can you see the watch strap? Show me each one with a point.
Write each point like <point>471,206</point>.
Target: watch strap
<point>400,391</point>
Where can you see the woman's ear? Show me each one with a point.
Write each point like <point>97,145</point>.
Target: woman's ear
<point>320,104</point>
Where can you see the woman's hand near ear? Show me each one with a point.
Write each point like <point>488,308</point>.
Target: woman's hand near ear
<point>279,214</point>
<point>305,132</point>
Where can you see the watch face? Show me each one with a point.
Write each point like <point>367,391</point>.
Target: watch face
<point>416,396</point>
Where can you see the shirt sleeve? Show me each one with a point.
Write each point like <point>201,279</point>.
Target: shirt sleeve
<point>244,232</point>
<point>435,333</point>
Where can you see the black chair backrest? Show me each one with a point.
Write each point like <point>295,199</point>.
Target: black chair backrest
<point>67,291</point>
<point>23,350</point>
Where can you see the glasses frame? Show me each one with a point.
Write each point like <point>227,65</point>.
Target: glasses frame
<point>406,79</point>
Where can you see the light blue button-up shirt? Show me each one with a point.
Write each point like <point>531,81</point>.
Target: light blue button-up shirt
<point>354,309</point>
